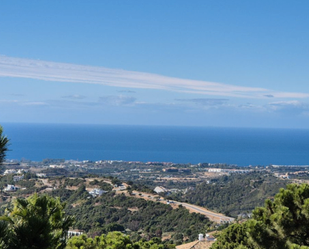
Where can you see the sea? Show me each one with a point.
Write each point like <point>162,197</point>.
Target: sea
<point>239,146</point>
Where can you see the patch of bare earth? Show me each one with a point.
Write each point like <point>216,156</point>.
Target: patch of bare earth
<point>133,209</point>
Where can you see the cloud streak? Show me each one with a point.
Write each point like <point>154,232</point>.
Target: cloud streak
<point>289,105</point>
<point>74,96</point>
<point>62,72</point>
<point>205,102</point>
<point>117,100</point>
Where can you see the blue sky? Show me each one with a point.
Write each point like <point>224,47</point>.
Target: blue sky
<point>189,63</point>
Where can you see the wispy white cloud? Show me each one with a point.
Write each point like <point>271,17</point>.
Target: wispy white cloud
<point>35,103</point>
<point>290,95</point>
<point>23,102</point>
<point>54,71</point>
<point>117,100</point>
<point>126,91</point>
<point>205,101</point>
<point>9,101</point>
<point>293,107</point>
<point>285,104</point>
<point>74,96</point>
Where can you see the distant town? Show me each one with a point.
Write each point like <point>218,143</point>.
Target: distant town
<point>155,171</point>
<point>161,174</point>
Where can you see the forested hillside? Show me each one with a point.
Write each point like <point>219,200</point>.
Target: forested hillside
<point>235,194</point>
<point>140,218</point>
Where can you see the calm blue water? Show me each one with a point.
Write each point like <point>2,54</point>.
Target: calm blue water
<point>171,144</point>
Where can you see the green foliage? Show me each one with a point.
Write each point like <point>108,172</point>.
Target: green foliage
<point>233,237</point>
<point>109,211</point>
<point>116,181</point>
<point>73,181</point>
<point>36,222</point>
<point>30,175</point>
<point>26,183</point>
<point>101,184</point>
<point>114,240</point>
<point>235,194</point>
<point>280,224</point>
<point>94,182</point>
<point>4,141</point>
<point>4,235</point>
<point>6,179</point>
<point>141,188</point>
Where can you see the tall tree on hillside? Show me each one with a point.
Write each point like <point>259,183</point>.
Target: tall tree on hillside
<point>38,222</point>
<point>3,145</point>
<point>281,224</point>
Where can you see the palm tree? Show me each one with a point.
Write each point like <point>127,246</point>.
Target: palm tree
<point>4,235</point>
<point>38,222</point>
<point>3,145</point>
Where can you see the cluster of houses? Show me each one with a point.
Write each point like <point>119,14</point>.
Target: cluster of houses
<point>283,176</point>
<point>14,171</point>
<point>174,170</point>
<point>230,171</point>
<point>18,175</point>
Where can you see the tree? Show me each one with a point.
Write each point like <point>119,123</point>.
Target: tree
<point>3,145</point>
<point>281,224</point>
<point>38,222</point>
<point>116,181</point>
<point>235,236</point>
<point>114,240</point>
<point>284,222</point>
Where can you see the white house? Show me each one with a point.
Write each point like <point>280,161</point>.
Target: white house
<point>10,188</point>
<point>18,178</point>
<point>97,192</point>
<point>41,175</point>
<point>160,189</point>
<point>72,233</point>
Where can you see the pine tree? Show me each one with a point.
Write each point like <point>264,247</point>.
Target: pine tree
<point>281,224</point>
<point>3,145</point>
<point>38,222</point>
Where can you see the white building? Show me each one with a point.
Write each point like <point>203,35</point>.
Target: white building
<point>72,233</point>
<point>217,170</point>
<point>18,178</point>
<point>21,171</point>
<point>97,192</point>
<point>41,175</point>
<point>10,188</point>
<point>9,171</point>
<point>55,166</point>
<point>160,189</point>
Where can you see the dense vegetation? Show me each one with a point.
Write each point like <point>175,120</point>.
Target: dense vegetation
<point>281,224</point>
<point>234,194</point>
<point>140,218</point>
<point>4,141</point>
<point>115,240</point>
<point>41,222</point>
<point>38,222</point>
